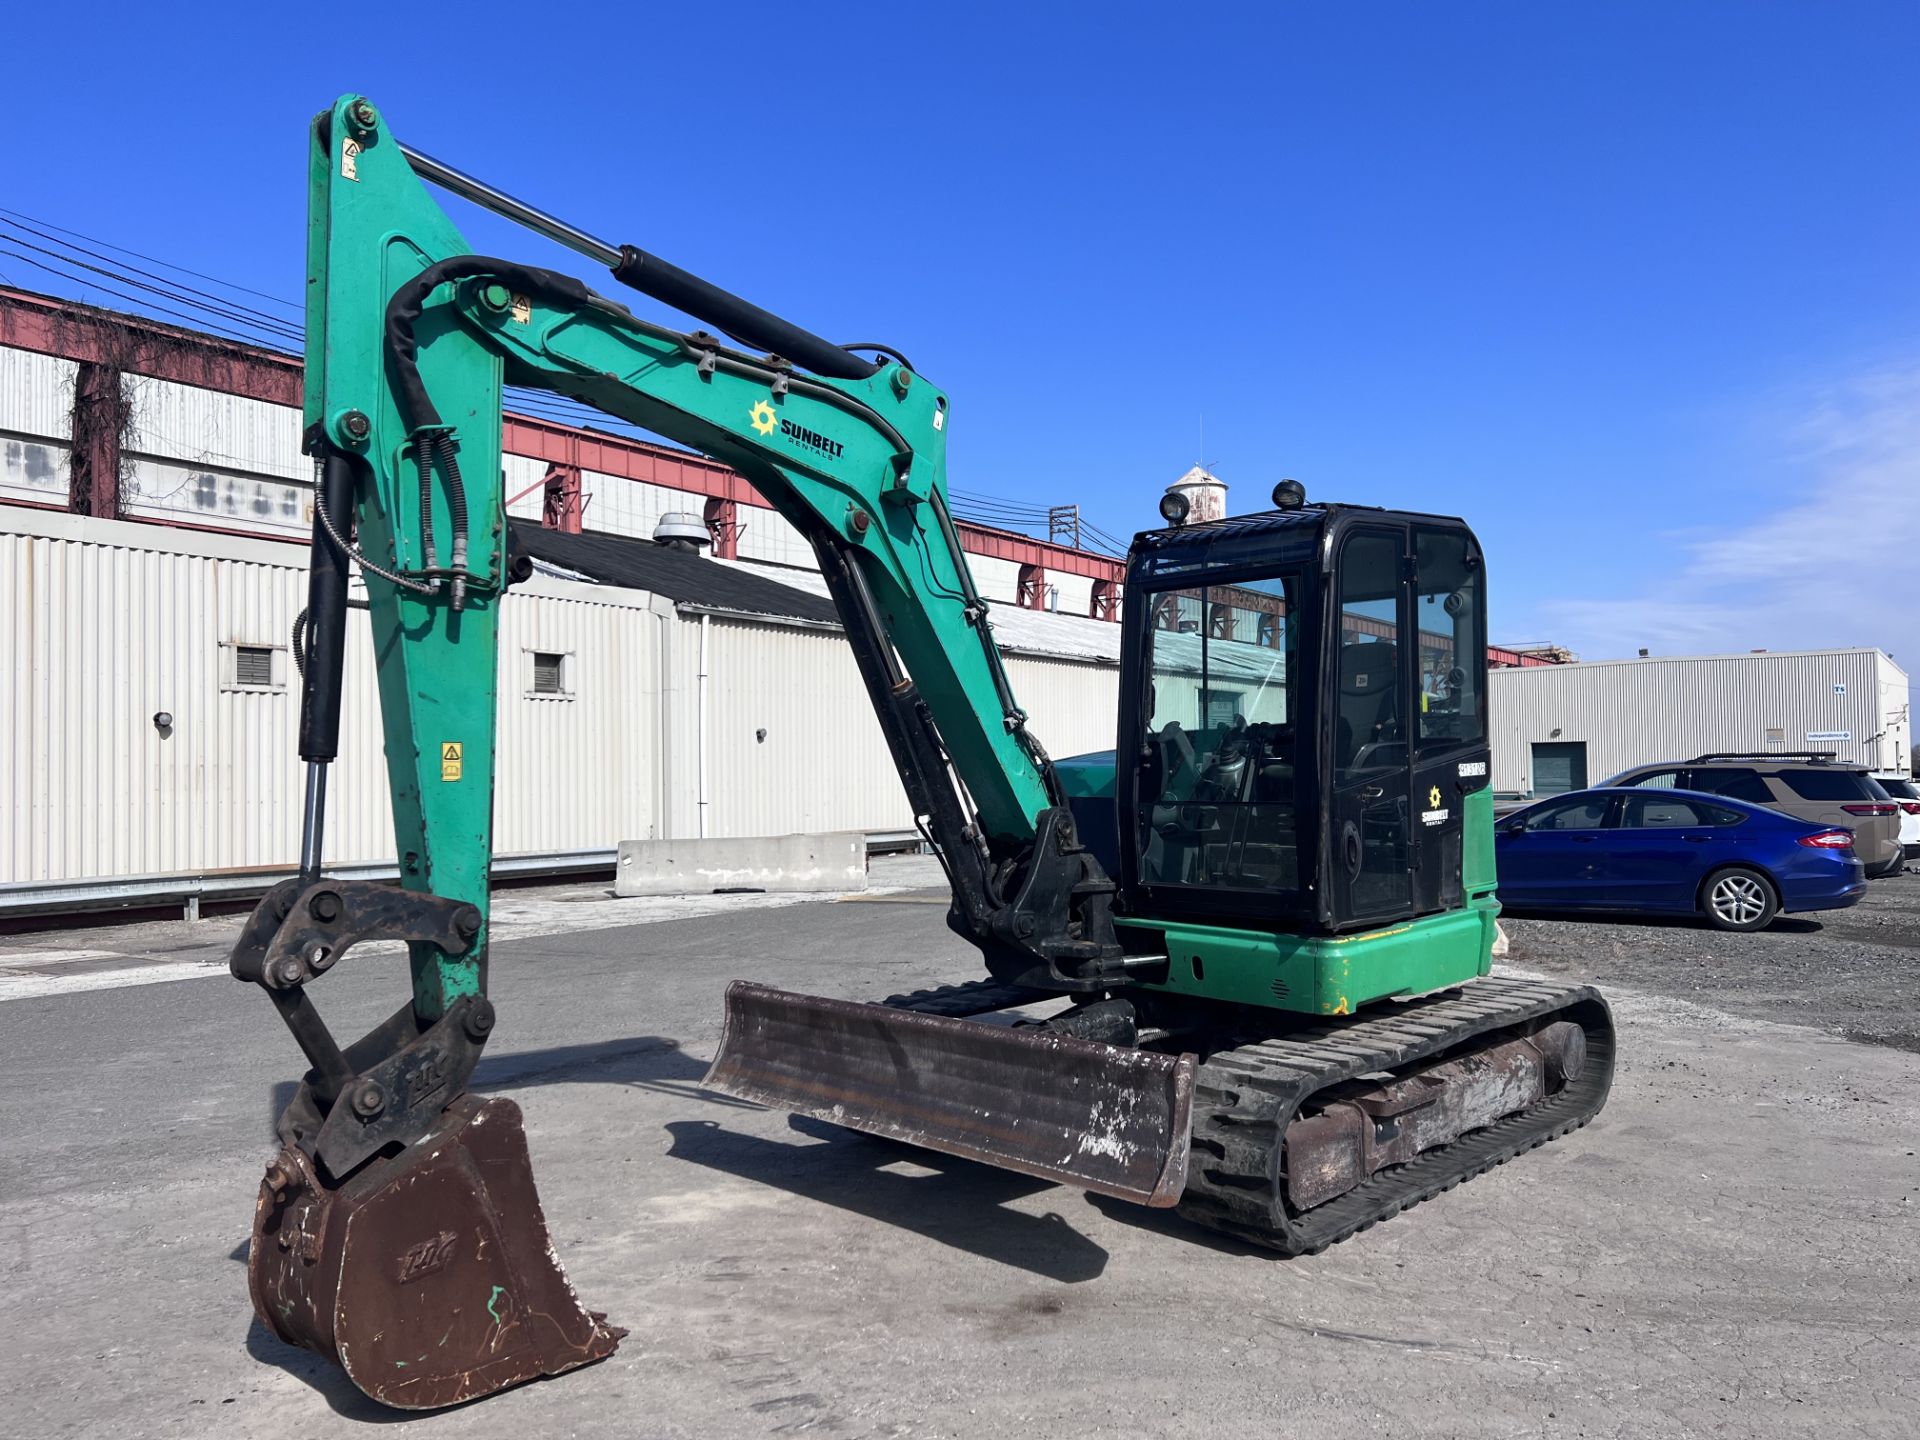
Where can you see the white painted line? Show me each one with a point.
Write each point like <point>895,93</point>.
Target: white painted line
<point>516,916</point>
<point>32,987</point>
<point>55,957</point>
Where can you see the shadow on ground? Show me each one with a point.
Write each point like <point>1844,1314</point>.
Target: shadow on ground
<point>327,1379</point>
<point>961,1204</point>
<point>1178,1230</point>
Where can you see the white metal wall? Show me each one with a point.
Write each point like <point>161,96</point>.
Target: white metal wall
<point>792,740</point>
<point>1071,706</point>
<point>995,579</point>
<point>1634,712</point>
<point>104,623</point>
<point>36,402</point>
<point>793,743</point>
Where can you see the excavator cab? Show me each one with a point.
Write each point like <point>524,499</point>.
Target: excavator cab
<point>1304,714</point>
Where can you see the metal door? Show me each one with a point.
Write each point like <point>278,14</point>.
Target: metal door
<point>1369,679</point>
<point>1450,758</point>
<point>1559,767</point>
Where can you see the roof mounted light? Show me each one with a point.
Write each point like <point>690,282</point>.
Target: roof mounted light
<point>1174,507</point>
<point>1289,495</point>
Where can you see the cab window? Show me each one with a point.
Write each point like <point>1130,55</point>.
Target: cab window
<point>1217,794</point>
<point>1450,616</point>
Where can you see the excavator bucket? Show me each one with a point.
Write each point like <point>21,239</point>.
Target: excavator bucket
<point>428,1276</point>
<point>1106,1119</point>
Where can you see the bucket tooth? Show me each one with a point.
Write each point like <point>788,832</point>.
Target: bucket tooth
<point>1101,1117</point>
<point>428,1276</point>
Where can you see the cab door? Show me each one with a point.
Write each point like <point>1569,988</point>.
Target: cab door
<point>1450,756</point>
<point>1369,678</point>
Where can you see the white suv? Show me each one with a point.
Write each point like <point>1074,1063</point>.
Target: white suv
<point>1904,793</point>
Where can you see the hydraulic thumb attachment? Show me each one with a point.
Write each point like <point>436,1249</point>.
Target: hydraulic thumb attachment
<point>398,1231</point>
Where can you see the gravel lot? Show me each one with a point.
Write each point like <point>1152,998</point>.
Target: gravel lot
<point>1730,1251</point>
<point>1854,972</point>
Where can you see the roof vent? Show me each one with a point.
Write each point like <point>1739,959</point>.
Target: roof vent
<point>682,530</point>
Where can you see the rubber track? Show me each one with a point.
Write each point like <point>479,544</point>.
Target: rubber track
<point>976,997</point>
<point>1245,1097</point>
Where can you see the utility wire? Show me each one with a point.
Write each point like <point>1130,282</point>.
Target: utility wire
<point>234,308</point>
<point>236,320</point>
<point>196,320</point>
<point>163,264</point>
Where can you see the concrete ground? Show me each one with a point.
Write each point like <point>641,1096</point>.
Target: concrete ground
<point>1731,1249</point>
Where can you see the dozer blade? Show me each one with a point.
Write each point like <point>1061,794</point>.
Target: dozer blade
<point>428,1275</point>
<point>1097,1116</point>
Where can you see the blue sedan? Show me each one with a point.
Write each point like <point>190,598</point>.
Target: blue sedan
<point>1676,852</point>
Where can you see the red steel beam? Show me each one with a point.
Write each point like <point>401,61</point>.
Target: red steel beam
<point>73,331</point>
<point>133,343</point>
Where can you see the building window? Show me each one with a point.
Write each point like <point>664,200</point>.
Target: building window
<point>252,667</point>
<point>550,677</point>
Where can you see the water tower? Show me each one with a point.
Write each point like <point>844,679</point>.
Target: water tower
<point>1205,492</point>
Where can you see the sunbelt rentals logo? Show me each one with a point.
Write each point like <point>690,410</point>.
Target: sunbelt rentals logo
<point>1435,813</point>
<point>765,422</point>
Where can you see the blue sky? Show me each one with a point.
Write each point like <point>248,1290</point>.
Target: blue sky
<point>1631,286</point>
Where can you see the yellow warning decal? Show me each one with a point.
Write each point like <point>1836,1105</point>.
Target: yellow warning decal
<point>450,760</point>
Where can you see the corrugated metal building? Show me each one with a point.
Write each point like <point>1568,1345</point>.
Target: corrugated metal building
<point>676,719</point>
<point>668,718</point>
<point>1560,727</point>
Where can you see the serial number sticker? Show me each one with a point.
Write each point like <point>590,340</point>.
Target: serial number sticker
<point>1473,767</point>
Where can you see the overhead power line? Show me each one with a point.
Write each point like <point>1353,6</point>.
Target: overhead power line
<point>39,244</point>
<point>163,264</point>
<point>232,309</point>
<point>199,320</point>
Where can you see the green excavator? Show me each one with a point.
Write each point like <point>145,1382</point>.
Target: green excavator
<point>1239,966</point>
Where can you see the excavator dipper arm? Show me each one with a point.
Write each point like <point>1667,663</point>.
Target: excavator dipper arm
<point>397,1203</point>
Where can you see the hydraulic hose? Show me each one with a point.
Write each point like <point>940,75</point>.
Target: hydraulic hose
<point>430,436</point>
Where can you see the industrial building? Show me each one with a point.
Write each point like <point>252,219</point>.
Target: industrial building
<point>1562,727</point>
<point>644,692</point>
<point>155,509</point>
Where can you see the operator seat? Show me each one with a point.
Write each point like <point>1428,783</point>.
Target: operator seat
<point>1369,698</point>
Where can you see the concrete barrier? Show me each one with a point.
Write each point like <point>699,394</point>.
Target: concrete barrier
<point>836,860</point>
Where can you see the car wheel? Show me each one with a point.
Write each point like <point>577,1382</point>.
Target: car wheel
<point>1738,899</point>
